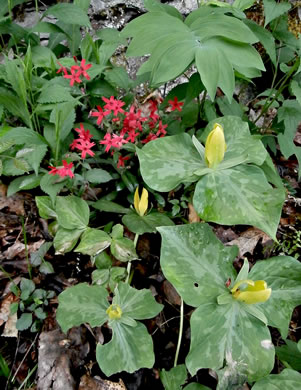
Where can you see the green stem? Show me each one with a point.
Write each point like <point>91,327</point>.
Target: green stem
<point>281,88</point>
<point>180,333</point>
<point>26,248</point>
<point>128,268</point>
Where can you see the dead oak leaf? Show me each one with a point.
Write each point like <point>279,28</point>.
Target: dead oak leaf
<point>248,241</point>
<point>96,383</point>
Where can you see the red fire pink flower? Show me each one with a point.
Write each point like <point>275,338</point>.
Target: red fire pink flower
<point>121,161</point>
<point>63,171</point>
<point>113,105</point>
<point>82,68</point>
<point>83,134</point>
<point>74,76</point>
<point>175,105</point>
<point>100,114</point>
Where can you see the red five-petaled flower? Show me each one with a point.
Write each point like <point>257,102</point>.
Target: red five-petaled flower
<point>63,171</point>
<point>74,76</point>
<point>175,105</point>
<point>82,68</point>
<point>100,114</point>
<point>113,105</point>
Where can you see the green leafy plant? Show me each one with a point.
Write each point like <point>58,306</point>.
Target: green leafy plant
<point>227,315</point>
<point>216,43</point>
<point>131,346</point>
<point>236,191</point>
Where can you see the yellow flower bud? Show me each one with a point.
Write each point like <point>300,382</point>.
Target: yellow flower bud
<point>114,312</point>
<point>215,146</point>
<point>141,205</point>
<point>255,292</point>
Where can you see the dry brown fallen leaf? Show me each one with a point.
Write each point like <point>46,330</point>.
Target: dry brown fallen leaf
<point>248,240</point>
<point>96,383</point>
<point>10,329</point>
<point>5,307</point>
<point>193,215</point>
<point>18,249</point>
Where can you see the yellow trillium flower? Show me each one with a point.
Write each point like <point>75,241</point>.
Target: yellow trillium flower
<point>255,292</point>
<point>215,146</point>
<point>141,204</point>
<point>114,312</point>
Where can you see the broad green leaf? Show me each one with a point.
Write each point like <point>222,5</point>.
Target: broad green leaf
<point>72,212</point>
<point>52,185</point>
<point>196,262</point>
<point>288,380</point>
<point>223,26</point>
<point>35,158</point>
<point>237,338</point>
<point>123,249</point>
<point>55,94</point>
<point>272,9</point>
<point>174,378</point>
<point>283,275</point>
<point>243,4</point>
<point>146,223</point>
<point>23,135</point>
<point>24,321</point>
<point>264,36</point>
<point>1,167</point>
<point>97,176</point>
<point>119,78</point>
<point>64,115</point>
<point>167,162</point>
<point>240,195</point>
<point>36,258</point>
<point>111,207</point>
<point>137,304</point>
<point>23,183</point>
<point>65,239</point>
<point>69,14</point>
<point>290,354</point>
<point>82,303</point>
<point>93,241</point>
<point>12,103</point>
<point>155,5</point>
<point>196,386</point>
<point>6,144</point>
<point>43,57</point>
<point>208,66</point>
<point>296,90</point>
<point>130,348</point>
<point>198,266</point>
<point>21,164</point>
<point>16,78</point>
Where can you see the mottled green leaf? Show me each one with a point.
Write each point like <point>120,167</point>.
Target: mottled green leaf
<point>240,195</point>
<point>65,240</point>
<point>111,207</point>
<point>131,348</point>
<point>137,304</point>
<point>23,183</point>
<point>174,378</point>
<point>123,249</point>
<point>82,303</point>
<point>52,185</point>
<point>198,266</point>
<point>146,223</point>
<point>287,380</point>
<point>45,207</point>
<point>283,275</point>
<point>24,321</point>
<point>93,241</point>
<point>167,162</point>
<point>72,212</point>
<point>196,262</point>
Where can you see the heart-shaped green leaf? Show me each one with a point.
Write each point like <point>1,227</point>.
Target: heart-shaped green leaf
<point>93,241</point>
<point>72,212</point>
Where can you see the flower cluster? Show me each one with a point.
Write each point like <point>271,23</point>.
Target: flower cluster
<point>82,143</point>
<point>75,71</point>
<point>123,126</point>
<point>62,171</point>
